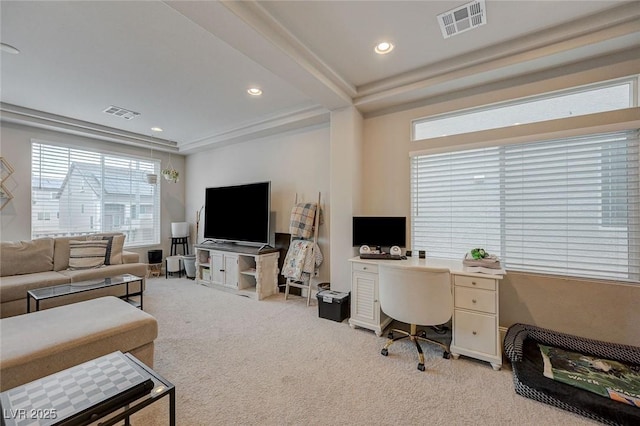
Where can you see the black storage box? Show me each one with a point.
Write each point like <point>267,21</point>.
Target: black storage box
<point>333,305</point>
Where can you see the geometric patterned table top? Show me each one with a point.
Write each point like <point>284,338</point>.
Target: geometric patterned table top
<point>72,396</point>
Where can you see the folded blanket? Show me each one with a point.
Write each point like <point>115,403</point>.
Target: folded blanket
<point>302,260</point>
<point>302,220</point>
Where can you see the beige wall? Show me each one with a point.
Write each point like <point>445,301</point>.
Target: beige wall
<point>600,310</point>
<point>15,146</point>
<point>296,162</point>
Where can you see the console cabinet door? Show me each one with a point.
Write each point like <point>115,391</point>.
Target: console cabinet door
<point>231,271</point>
<point>217,267</point>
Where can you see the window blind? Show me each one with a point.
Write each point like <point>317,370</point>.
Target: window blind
<point>78,191</point>
<point>564,207</point>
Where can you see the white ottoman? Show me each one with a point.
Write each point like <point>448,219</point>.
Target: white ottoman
<point>41,343</point>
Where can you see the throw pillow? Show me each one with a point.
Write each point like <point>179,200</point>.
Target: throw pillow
<point>87,254</point>
<point>107,257</point>
<point>116,249</point>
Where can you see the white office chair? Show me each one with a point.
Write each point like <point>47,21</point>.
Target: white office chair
<point>416,296</point>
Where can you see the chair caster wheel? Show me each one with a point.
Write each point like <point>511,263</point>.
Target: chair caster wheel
<point>421,367</point>
<point>423,334</point>
<point>384,352</point>
<point>390,335</point>
<point>446,355</point>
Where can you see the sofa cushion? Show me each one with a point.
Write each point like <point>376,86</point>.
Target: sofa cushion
<point>87,254</point>
<point>26,257</point>
<point>61,250</point>
<point>65,336</point>
<point>16,286</point>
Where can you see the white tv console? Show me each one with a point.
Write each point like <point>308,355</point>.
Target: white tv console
<point>243,270</point>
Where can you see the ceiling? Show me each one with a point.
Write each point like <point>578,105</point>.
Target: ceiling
<point>186,66</point>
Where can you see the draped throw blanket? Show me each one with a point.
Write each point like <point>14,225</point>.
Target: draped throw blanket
<point>302,220</point>
<point>302,260</point>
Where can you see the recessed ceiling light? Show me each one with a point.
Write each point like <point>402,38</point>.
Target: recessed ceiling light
<point>383,48</point>
<point>254,91</point>
<point>156,129</point>
<point>8,48</point>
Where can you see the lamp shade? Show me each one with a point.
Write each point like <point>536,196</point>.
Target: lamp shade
<point>179,229</point>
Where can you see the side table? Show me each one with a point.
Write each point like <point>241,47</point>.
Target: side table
<point>154,270</point>
<point>110,388</point>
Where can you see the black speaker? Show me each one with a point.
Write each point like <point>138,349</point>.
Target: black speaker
<point>154,256</point>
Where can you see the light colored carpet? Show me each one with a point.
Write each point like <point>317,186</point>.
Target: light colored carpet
<point>235,360</point>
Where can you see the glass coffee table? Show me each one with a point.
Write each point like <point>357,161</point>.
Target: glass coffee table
<point>61,290</point>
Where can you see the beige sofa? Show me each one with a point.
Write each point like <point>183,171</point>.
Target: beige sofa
<point>27,265</point>
<point>45,342</point>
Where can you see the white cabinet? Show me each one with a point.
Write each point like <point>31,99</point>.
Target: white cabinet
<point>224,269</point>
<point>365,307</point>
<point>475,319</point>
<point>238,269</point>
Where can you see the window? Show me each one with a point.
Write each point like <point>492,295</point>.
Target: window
<point>566,207</point>
<point>570,103</point>
<point>93,192</point>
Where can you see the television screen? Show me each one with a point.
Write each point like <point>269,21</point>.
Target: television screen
<point>238,213</point>
<point>379,231</point>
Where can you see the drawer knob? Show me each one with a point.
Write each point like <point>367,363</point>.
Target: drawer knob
<point>473,282</point>
<point>473,300</point>
<point>474,333</point>
<point>364,268</point>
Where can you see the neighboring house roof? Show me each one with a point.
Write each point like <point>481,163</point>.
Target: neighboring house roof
<point>46,184</point>
<point>115,181</point>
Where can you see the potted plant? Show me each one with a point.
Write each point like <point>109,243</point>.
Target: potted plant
<point>171,174</point>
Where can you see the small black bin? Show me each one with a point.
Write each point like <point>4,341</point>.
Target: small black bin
<point>154,256</point>
<point>333,305</point>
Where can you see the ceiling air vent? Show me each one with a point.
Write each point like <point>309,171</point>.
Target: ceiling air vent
<point>462,18</point>
<point>121,112</point>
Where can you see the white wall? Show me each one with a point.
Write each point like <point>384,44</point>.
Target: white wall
<point>295,162</point>
<point>15,146</point>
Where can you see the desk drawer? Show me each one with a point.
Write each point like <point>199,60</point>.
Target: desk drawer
<point>476,332</point>
<point>365,267</point>
<point>475,282</point>
<point>475,299</point>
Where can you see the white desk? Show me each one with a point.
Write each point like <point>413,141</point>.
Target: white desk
<point>475,318</point>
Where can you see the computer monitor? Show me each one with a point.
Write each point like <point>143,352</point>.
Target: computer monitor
<point>383,231</point>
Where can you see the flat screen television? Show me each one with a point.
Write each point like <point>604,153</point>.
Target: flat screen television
<point>383,231</point>
<point>238,213</point>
